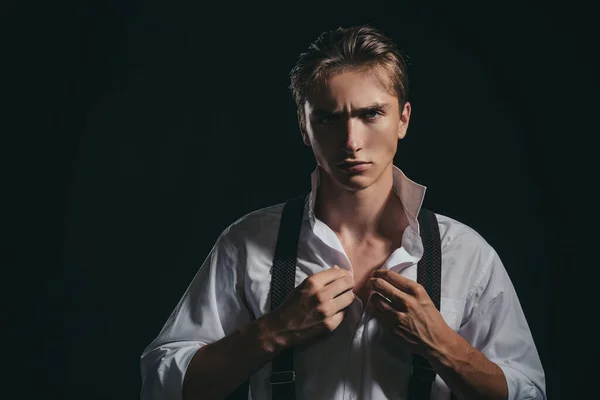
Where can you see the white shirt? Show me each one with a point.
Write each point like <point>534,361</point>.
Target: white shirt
<point>359,360</point>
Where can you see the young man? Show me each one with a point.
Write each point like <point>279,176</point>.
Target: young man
<point>357,314</point>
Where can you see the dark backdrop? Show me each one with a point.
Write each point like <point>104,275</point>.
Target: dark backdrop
<point>136,132</point>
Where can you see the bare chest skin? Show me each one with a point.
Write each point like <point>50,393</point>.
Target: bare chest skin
<point>367,258</point>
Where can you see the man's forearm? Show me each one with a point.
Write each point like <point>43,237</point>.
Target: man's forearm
<point>467,372</point>
<point>217,369</point>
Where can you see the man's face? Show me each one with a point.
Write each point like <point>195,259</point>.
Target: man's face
<point>354,118</point>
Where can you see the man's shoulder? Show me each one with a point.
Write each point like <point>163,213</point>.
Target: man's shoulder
<point>465,250</point>
<point>455,233</point>
<point>259,222</point>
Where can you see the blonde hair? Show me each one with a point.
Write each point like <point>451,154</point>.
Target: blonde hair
<point>362,48</point>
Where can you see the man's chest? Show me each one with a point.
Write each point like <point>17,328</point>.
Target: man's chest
<point>362,263</point>
<point>360,260</point>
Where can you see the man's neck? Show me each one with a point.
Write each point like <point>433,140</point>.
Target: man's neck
<point>370,214</point>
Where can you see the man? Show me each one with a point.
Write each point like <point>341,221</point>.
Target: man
<point>356,314</point>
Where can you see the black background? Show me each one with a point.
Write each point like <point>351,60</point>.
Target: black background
<point>136,132</point>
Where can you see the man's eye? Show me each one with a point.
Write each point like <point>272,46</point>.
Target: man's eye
<point>372,114</point>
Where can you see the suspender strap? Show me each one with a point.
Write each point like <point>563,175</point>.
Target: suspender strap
<point>283,377</point>
<point>283,278</point>
<point>429,274</point>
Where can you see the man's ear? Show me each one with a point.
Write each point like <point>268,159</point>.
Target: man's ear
<point>404,120</point>
<point>303,132</point>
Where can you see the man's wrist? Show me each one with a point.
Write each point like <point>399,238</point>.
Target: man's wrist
<point>447,351</point>
<point>270,333</point>
<point>467,372</point>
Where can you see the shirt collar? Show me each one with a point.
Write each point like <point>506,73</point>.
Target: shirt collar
<point>411,195</point>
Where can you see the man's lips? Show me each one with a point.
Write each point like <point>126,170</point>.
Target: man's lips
<point>354,166</point>
<point>349,163</point>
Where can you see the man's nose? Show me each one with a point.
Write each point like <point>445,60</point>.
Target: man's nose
<point>353,140</point>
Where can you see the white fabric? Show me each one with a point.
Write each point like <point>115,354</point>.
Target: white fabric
<point>358,361</point>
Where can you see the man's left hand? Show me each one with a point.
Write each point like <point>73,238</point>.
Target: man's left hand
<point>409,315</point>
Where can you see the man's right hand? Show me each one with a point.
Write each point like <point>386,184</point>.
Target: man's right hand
<point>315,308</point>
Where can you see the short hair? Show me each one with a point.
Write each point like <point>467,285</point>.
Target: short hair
<point>362,48</point>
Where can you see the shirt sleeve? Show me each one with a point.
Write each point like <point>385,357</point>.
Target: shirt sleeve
<point>496,325</point>
<point>211,308</point>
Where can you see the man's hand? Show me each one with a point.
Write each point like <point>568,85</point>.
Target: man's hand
<point>314,309</point>
<point>409,315</point>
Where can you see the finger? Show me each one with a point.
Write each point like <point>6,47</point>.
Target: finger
<point>343,301</point>
<point>390,324</point>
<point>396,296</point>
<point>384,318</point>
<point>323,278</point>
<point>337,287</point>
<point>334,321</point>
<point>380,303</point>
<point>397,280</point>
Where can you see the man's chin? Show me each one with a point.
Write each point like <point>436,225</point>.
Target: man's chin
<point>353,182</point>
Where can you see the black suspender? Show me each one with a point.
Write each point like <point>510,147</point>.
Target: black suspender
<point>429,275</point>
<point>283,379</point>
<point>283,282</point>
<point>283,277</point>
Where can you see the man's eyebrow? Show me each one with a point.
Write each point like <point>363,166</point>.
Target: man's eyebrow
<point>369,107</point>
